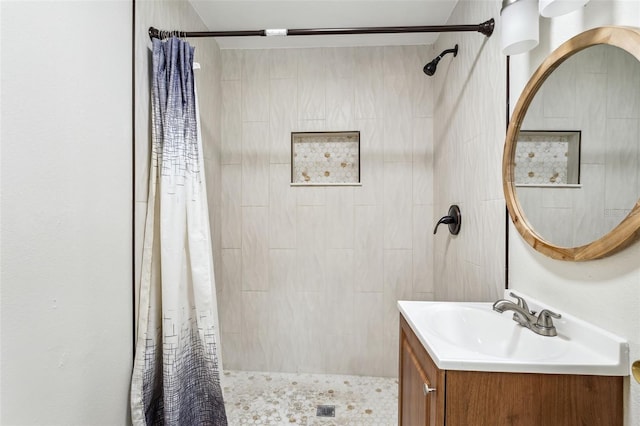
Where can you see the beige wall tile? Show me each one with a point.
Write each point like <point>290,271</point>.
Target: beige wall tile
<point>255,164</point>
<point>322,249</point>
<point>422,253</point>
<point>339,99</point>
<point>256,337</point>
<point>282,119</point>
<point>398,217</point>
<point>282,208</point>
<point>231,64</point>
<point>255,248</point>
<point>369,84</point>
<point>231,202</point>
<point>340,217</point>
<point>371,162</point>
<point>231,126</point>
<point>283,63</point>
<point>369,251</point>
<point>368,339</point>
<point>230,298</point>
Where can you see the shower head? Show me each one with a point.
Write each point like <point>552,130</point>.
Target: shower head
<point>430,68</point>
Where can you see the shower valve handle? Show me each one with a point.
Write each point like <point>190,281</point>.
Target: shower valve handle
<point>453,219</point>
<point>446,220</point>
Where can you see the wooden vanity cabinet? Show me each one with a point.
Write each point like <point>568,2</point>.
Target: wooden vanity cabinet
<point>418,373</point>
<point>477,398</point>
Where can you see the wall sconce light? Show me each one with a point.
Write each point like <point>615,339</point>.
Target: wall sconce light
<point>520,29</point>
<point>520,21</point>
<point>553,8</point>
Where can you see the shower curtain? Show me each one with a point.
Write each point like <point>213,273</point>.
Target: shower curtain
<point>176,377</point>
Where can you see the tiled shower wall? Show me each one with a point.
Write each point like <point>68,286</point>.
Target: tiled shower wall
<point>311,275</point>
<point>470,127</point>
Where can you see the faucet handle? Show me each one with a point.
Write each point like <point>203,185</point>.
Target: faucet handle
<point>544,318</point>
<point>521,302</point>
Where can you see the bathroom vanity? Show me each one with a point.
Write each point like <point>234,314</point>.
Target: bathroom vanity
<point>445,381</point>
<point>467,364</point>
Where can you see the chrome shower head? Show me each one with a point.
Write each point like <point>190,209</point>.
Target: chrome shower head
<point>430,68</point>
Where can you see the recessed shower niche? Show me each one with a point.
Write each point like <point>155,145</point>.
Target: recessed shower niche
<point>325,158</point>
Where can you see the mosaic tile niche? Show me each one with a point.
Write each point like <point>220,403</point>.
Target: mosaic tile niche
<point>545,158</point>
<point>325,158</point>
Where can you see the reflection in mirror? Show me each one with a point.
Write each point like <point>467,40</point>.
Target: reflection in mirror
<point>573,193</point>
<point>583,101</point>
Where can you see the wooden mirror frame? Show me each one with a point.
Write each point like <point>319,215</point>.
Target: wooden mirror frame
<point>628,230</point>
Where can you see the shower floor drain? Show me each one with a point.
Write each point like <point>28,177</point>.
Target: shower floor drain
<point>326,411</point>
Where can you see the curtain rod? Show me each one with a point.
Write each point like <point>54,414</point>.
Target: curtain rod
<point>485,28</point>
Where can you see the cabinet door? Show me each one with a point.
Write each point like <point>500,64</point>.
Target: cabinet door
<point>516,399</point>
<point>416,406</point>
<point>420,402</point>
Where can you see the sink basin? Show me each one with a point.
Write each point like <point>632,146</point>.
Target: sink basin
<point>473,337</point>
<point>480,329</point>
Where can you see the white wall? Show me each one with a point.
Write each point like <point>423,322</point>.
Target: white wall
<point>470,123</point>
<point>606,291</point>
<point>312,275</point>
<point>66,212</point>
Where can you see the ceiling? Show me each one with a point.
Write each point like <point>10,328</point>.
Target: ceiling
<point>289,14</point>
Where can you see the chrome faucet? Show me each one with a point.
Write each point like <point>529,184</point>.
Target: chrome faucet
<point>541,324</point>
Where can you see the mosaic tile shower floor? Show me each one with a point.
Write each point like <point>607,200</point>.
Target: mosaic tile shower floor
<point>255,398</point>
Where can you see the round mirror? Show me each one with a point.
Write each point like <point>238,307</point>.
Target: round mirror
<point>571,164</point>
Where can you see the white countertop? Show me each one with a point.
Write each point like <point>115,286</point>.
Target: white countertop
<point>473,337</point>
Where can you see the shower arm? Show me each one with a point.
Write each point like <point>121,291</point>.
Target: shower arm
<point>485,28</point>
<point>454,51</point>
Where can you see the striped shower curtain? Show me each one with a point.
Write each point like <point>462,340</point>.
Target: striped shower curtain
<point>176,377</point>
